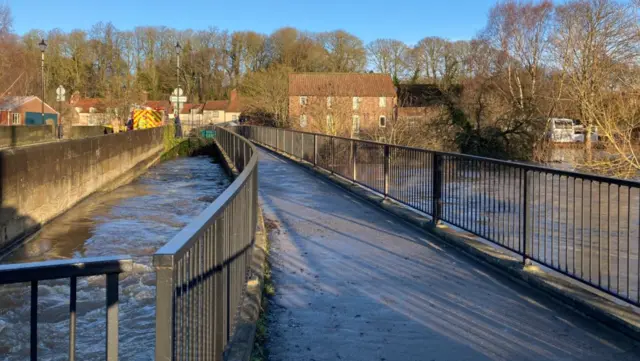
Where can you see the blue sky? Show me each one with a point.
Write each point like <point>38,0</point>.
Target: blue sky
<point>406,20</point>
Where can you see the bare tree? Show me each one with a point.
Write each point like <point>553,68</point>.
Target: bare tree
<point>388,56</point>
<point>601,60</point>
<point>266,93</point>
<point>346,52</point>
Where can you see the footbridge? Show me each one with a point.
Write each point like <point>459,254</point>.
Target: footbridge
<point>379,252</point>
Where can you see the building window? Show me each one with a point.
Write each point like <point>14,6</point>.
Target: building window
<point>215,114</point>
<point>356,124</point>
<point>383,102</point>
<point>303,121</point>
<point>383,121</point>
<point>15,119</point>
<point>303,100</point>
<point>329,101</point>
<point>356,103</point>
<point>234,117</point>
<point>329,121</point>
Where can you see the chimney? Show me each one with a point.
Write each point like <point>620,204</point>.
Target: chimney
<point>234,95</point>
<point>145,96</point>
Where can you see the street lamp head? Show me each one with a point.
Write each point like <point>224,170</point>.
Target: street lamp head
<point>42,45</point>
<point>178,47</point>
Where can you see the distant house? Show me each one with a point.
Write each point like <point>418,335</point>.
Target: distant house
<point>214,111</point>
<point>92,111</point>
<point>420,104</point>
<point>234,107</point>
<point>419,95</point>
<point>341,103</point>
<point>25,110</point>
<point>191,113</point>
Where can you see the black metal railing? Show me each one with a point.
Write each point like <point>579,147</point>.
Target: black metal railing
<point>584,226</point>
<point>35,272</point>
<point>202,272</point>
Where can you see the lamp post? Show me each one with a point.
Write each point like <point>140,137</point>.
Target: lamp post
<point>125,110</point>
<point>178,49</point>
<point>43,48</point>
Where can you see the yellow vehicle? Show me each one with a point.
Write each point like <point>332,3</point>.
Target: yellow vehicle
<point>146,118</point>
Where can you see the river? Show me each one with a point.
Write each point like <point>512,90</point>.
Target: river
<point>136,220</point>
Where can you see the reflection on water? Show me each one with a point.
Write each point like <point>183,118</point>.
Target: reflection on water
<point>134,220</point>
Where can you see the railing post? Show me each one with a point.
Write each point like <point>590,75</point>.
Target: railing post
<point>112,317</point>
<point>302,146</point>
<point>277,136</point>
<point>437,188</point>
<point>333,157</point>
<point>526,225</point>
<point>386,166</point>
<point>165,286</point>
<point>354,150</point>
<point>315,149</point>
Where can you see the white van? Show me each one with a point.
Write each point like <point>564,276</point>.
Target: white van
<point>562,130</point>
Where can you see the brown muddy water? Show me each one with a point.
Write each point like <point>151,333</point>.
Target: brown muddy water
<point>135,220</point>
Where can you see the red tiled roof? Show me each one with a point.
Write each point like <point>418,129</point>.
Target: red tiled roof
<point>85,104</point>
<point>215,105</point>
<point>341,84</point>
<point>187,108</point>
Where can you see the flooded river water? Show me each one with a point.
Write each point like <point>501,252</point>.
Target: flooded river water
<point>133,220</point>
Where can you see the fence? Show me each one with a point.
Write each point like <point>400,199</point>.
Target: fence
<point>201,272</point>
<point>34,272</point>
<point>584,226</point>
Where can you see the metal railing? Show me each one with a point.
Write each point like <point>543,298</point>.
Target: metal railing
<point>584,226</point>
<point>202,272</point>
<point>34,272</point>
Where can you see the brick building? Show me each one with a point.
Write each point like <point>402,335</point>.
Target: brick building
<point>25,110</point>
<point>341,103</point>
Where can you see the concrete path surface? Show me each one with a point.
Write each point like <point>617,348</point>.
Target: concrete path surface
<point>354,283</point>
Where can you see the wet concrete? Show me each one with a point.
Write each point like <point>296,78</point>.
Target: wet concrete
<point>354,283</point>
<point>134,220</point>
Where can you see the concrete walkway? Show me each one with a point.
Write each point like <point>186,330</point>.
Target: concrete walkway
<point>354,283</point>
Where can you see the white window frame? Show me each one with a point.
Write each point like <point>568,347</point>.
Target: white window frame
<point>15,119</point>
<point>382,121</point>
<point>382,101</point>
<point>356,103</point>
<point>234,117</point>
<point>304,100</point>
<point>329,102</point>
<point>355,124</point>
<point>303,121</point>
<point>215,114</point>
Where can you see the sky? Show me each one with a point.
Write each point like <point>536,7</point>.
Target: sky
<point>405,20</point>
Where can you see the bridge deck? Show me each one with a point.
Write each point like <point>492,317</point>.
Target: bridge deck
<point>355,283</point>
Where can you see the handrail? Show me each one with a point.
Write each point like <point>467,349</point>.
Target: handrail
<point>512,163</point>
<point>76,267</point>
<point>201,273</point>
<point>584,226</point>
<point>73,268</point>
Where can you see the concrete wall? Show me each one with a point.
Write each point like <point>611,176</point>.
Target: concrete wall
<point>16,135</point>
<point>42,181</point>
<point>86,131</point>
